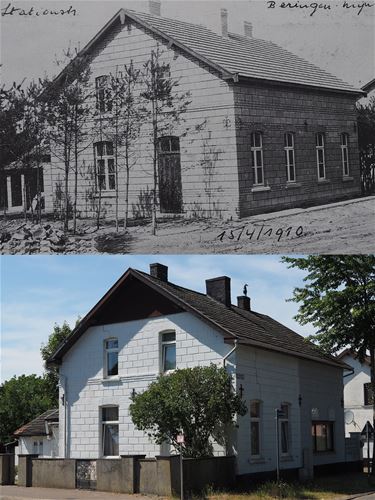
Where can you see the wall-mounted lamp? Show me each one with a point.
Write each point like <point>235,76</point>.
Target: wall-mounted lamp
<point>355,126</point>
<point>342,402</point>
<point>305,125</point>
<point>63,399</point>
<point>300,400</point>
<point>241,390</point>
<point>134,393</point>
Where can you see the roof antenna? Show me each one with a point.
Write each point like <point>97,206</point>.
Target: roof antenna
<point>245,290</point>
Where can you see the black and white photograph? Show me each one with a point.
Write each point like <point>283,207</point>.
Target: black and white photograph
<point>187,127</point>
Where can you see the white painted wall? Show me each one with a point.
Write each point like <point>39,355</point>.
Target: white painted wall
<point>50,446</point>
<point>139,364</point>
<point>354,395</point>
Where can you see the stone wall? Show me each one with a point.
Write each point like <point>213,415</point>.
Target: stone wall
<point>54,473</point>
<point>6,468</point>
<point>273,111</point>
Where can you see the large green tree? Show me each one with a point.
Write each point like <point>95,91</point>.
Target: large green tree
<point>366,141</point>
<point>338,298</point>
<point>59,334</point>
<point>199,402</point>
<point>22,399</point>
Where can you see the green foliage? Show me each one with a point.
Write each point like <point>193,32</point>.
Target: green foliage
<point>22,399</point>
<point>199,402</point>
<point>338,299</point>
<point>59,334</point>
<point>366,140</point>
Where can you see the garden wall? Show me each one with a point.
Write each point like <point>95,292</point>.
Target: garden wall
<point>6,468</point>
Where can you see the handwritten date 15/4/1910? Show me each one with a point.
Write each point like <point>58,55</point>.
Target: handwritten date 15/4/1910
<point>255,233</point>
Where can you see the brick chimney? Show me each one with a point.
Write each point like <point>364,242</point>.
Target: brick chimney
<point>154,7</point>
<point>219,289</point>
<point>224,22</point>
<point>248,29</point>
<point>243,302</point>
<point>159,271</point>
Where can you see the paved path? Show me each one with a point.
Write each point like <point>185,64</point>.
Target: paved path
<point>20,493</point>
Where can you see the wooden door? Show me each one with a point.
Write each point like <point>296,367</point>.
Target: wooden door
<point>170,186</point>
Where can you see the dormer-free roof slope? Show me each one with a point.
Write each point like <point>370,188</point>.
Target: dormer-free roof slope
<point>234,57</point>
<point>37,426</point>
<point>245,327</point>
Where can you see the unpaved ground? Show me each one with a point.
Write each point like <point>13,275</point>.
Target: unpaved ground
<point>345,227</point>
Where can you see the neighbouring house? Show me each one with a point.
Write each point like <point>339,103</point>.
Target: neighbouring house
<point>40,436</point>
<point>145,326</point>
<point>265,130</point>
<point>358,398</point>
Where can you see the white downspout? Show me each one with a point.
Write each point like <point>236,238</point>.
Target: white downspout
<point>65,383</point>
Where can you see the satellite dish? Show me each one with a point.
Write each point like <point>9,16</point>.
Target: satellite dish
<point>349,417</point>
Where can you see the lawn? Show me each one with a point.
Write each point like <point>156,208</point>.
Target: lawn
<point>330,487</point>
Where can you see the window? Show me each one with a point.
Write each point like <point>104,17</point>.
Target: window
<point>255,428</point>
<point>168,351</point>
<point>105,166</point>
<point>111,357</point>
<point>322,435</point>
<point>38,448</point>
<point>284,429</point>
<point>257,158</point>
<point>345,154</point>
<point>289,157</point>
<point>109,419</point>
<point>368,396</point>
<point>103,94</point>
<point>320,156</point>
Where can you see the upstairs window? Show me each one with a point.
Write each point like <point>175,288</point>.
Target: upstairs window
<point>110,357</point>
<point>289,157</point>
<point>320,156</point>
<point>105,166</point>
<point>345,154</point>
<point>255,428</point>
<point>368,395</point>
<point>110,434</point>
<point>103,94</point>
<point>284,429</point>
<point>257,158</point>
<point>322,435</point>
<point>168,351</point>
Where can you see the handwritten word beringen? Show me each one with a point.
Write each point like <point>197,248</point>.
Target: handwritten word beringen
<point>314,7</point>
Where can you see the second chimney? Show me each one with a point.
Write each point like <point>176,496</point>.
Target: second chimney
<point>219,289</point>
<point>224,22</point>
<point>248,29</point>
<point>243,302</point>
<point>154,7</point>
<point>159,271</point>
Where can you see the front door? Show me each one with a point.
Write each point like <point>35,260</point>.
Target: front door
<point>170,187</point>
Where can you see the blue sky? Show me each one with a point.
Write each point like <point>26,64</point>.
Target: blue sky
<point>38,291</point>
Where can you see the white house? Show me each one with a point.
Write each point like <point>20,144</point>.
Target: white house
<point>40,436</point>
<point>357,396</point>
<point>145,326</point>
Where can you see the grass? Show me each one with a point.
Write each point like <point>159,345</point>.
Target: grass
<point>324,488</point>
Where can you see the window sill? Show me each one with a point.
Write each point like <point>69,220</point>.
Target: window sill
<point>286,458</point>
<point>347,178</point>
<point>114,378</point>
<point>291,185</point>
<point>260,189</point>
<point>106,194</point>
<point>324,181</point>
<point>257,460</point>
<point>324,452</point>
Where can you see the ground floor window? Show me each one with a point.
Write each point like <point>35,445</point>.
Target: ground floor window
<point>255,428</point>
<point>322,435</point>
<point>284,429</point>
<point>38,447</point>
<point>110,436</point>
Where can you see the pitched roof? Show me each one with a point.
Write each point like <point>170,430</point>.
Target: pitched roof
<point>369,86</point>
<point>245,327</point>
<point>354,355</point>
<point>37,426</point>
<point>233,57</point>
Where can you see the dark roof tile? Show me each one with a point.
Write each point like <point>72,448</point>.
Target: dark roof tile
<point>37,426</point>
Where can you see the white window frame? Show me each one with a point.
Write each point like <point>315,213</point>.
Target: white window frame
<point>290,166</point>
<point>106,158</point>
<point>254,161</point>
<point>38,447</point>
<point>103,423</point>
<point>320,147</point>
<point>163,344</point>
<point>345,152</point>
<point>285,420</point>
<point>108,350</point>
<point>103,100</point>
<point>256,420</point>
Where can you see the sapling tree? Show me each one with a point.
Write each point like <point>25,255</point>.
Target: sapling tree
<point>338,298</point>
<point>199,402</point>
<point>366,141</point>
<point>165,106</point>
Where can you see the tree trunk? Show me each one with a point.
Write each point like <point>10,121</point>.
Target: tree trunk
<point>126,188</point>
<point>66,201</point>
<point>75,174</point>
<point>155,166</point>
<point>372,357</point>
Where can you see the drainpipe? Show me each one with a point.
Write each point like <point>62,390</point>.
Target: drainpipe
<point>230,352</point>
<point>65,384</point>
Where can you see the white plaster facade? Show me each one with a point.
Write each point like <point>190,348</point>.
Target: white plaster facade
<point>310,388</point>
<point>44,446</point>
